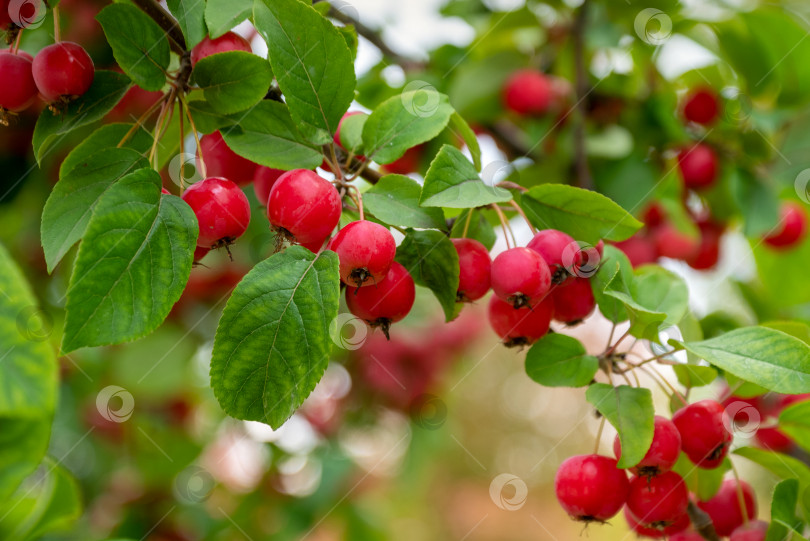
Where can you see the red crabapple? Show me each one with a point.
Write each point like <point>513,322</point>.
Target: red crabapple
<point>690,535</point>
<point>520,277</point>
<point>702,106</point>
<point>705,435</point>
<point>263,182</point>
<point>520,326</point>
<point>669,242</point>
<point>654,215</point>
<point>303,207</point>
<point>591,487</point>
<point>724,507</point>
<point>658,501</point>
<point>791,228</point>
<point>528,92</point>
<point>227,42</point>
<point>753,530</point>
<point>336,138</point>
<point>573,300</point>
<point>474,269</point>
<point>708,252</point>
<point>663,452</point>
<point>221,161</point>
<point>552,244</point>
<point>222,210</point>
<point>639,249</point>
<point>665,532</point>
<point>366,251</point>
<point>386,303</point>
<point>63,71</point>
<point>698,165</point>
<point>22,93</point>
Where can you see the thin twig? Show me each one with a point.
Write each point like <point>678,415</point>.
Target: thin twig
<point>523,215</point>
<point>702,522</point>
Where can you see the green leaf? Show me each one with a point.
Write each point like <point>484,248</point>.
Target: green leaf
<point>585,215</point>
<point>630,411</point>
<point>190,15</point>
<point>133,263</point>
<point>784,522</point>
<point>70,205</point>
<point>557,360</point>
<point>796,329</point>
<point>616,268</point>
<point>432,260</point>
<point>23,443</point>
<point>757,201</point>
<point>404,121</point>
<point>463,130</point>
<point>139,45</point>
<point>267,135</point>
<point>479,229</point>
<point>351,133</point>
<point>272,344</point>
<point>395,201</point>
<point>794,422</point>
<point>28,371</point>
<point>703,483</point>
<point>48,501</point>
<point>766,357</point>
<point>452,182</point>
<point>222,15</point>
<point>106,137</point>
<point>233,81</point>
<point>312,63</point>
<point>781,465</point>
<point>107,89</point>
<point>207,118</point>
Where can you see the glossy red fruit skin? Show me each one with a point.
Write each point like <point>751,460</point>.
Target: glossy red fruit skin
<point>63,70</point>
<point>365,250</point>
<point>551,245</point>
<point>390,301</point>
<point>520,326</point>
<point>669,242</point>
<point>663,452</point>
<point>724,507</point>
<point>528,92</point>
<point>520,276</point>
<point>573,300</point>
<point>474,269</point>
<point>639,249</point>
<point>20,91</point>
<point>658,501</point>
<point>698,165</point>
<point>754,530</point>
<point>773,439</point>
<point>200,252</point>
<point>654,215</point>
<point>227,42</point>
<point>306,206</point>
<point>702,106</point>
<point>708,252</point>
<point>791,229</point>
<point>263,181</point>
<point>222,210</point>
<point>679,525</point>
<point>221,161</point>
<point>591,487</point>
<point>705,436</point>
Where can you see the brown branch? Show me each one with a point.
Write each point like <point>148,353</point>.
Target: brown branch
<point>374,38</point>
<point>584,179</point>
<point>368,174</point>
<point>702,522</point>
<point>510,137</point>
<point>166,22</point>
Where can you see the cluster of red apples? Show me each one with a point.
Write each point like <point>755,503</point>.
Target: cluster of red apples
<point>592,488</point>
